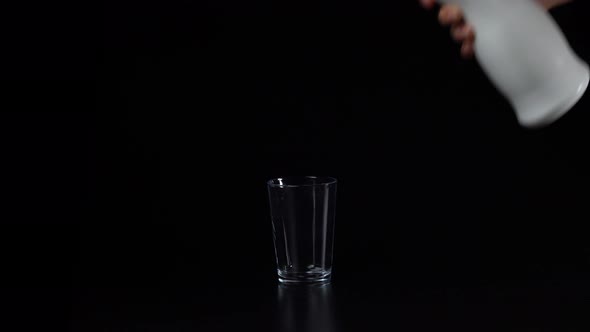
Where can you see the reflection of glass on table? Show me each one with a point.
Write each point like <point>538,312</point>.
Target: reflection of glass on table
<point>306,308</point>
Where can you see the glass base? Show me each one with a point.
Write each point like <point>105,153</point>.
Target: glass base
<point>304,277</point>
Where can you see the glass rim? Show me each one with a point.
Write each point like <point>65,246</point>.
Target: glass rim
<point>322,181</point>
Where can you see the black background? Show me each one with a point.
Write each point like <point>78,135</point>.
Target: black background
<point>137,138</point>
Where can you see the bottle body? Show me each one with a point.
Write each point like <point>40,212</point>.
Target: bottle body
<point>525,54</point>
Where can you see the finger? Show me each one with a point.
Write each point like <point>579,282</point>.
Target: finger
<point>461,32</point>
<point>467,50</point>
<point>450,14</point>
<point>469,32</point>
<point>549,4</point>
<point>428,4</point>
<point>458,32</point>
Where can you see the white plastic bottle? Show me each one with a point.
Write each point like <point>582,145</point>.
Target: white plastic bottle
<point>525,54</point>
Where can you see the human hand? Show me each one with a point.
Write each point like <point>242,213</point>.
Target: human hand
<point>461,31</point>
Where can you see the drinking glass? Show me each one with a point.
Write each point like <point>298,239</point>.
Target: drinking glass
<point>302,212</point>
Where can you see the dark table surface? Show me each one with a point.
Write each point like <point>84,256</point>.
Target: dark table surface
<point>364,301</point>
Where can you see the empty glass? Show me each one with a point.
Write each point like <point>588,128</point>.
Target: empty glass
<point>303,211</point>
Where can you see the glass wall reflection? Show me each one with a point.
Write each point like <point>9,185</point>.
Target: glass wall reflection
<point>305,308</point>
